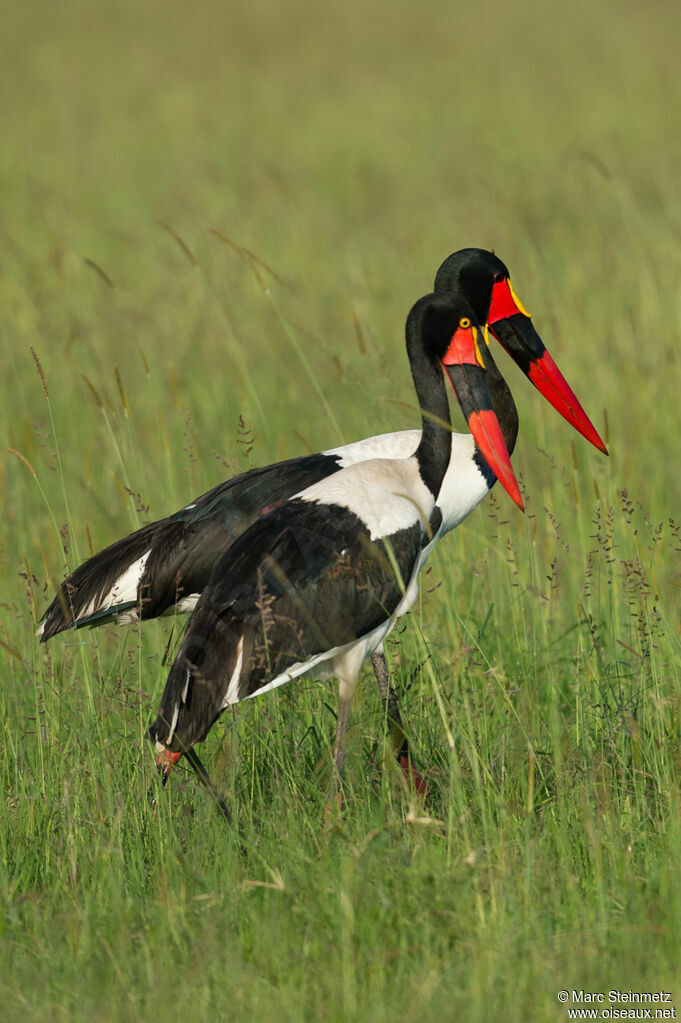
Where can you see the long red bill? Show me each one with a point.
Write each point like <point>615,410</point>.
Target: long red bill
<point>550,382</point>
<point>512,326</point>
<point>463,362</point>
<point>486,431</point>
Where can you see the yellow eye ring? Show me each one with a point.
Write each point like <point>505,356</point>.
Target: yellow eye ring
<point>465,323</point>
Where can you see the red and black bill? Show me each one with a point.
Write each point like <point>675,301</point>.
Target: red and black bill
<point>513,328</point>
<point>468,377</point>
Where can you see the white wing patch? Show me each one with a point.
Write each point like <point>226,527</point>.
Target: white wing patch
<point>462,488</point>
<point>183,606</point>
<point>232,693</point>
<point>385,445</point>
<point>127,617</point>
<point>186,686</point>
<point>173,726</point>
<point>123,590</point>
<point>385,495</point>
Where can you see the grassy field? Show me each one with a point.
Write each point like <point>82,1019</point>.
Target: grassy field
<point>213,224</point>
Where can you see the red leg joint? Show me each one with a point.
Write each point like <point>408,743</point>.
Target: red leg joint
<point>412,776</point>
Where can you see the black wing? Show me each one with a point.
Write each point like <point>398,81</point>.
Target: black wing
<point>183,549</point>
<point>302,581</point>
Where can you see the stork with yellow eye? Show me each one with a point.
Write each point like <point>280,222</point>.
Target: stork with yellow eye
<point>291,524</point>
<point>325,576</point>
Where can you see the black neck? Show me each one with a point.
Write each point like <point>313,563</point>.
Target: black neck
<point>435,447</point>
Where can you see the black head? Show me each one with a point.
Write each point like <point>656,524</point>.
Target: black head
<point>442,328</point>
<point>473,273</point>
<point>485,282</point>
<point>434,320</point>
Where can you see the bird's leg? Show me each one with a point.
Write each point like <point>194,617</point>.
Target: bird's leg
<point>341,735</point>
<point>346,687</point>
<point>398,735</point>
<point>390,704</point>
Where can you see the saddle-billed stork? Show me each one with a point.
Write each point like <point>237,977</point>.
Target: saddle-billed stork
<point>315,585</point>
<point>164,566</point>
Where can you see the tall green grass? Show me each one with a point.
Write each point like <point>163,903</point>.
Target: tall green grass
<point>213,225</point>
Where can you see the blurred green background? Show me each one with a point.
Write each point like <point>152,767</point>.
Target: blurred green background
<point>214,219</point>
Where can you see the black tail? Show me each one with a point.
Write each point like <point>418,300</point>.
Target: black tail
<point>182,549</point>
<point>89,595</point>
